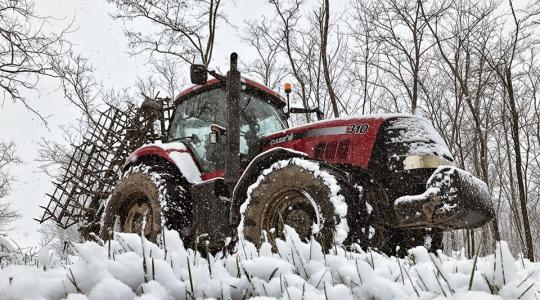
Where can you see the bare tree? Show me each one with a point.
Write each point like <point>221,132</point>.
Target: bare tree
<point>183,29</point>
<point>401,29</point>
<point>78,83</point>
<point>165,79</point>
<point>7,159</point>
<point>315,50</point>
<point>53,155</point>
<point>363,72</point>
<point>326,61</point>
<point>288,17</point>
<point>27,51</point>
<point>463,33</point>
<point>59,239</point>
<point>266,66</point>
<point>324,18</point>
<point>504,66</point>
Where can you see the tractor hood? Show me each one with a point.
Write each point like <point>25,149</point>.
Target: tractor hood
<point>352,140</point>
<point>344,140</point>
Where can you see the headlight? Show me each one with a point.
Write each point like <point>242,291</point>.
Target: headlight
<point>424,162</point>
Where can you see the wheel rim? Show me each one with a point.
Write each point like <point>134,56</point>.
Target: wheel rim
<point>136,213</point>
<point>294,208</point>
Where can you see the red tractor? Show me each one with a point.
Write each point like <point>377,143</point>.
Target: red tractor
<point>231,165</point>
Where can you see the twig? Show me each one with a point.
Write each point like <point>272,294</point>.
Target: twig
<point>474,265</point>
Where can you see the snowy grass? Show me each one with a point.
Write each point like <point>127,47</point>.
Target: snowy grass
<point>130,267</point>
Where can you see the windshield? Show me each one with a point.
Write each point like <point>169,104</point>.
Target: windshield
<point>193,117</point>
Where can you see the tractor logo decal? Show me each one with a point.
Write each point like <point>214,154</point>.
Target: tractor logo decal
<point>336,130</point>
<point>282,139</point>
<point>357,129</point>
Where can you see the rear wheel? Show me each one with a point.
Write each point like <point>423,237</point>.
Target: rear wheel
<point>312,199</point>
<point>146,198</point>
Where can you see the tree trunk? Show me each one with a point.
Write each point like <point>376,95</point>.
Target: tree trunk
<point>326,68</point>
<point>519,173</point>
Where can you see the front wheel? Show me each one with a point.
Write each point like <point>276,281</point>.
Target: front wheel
<point>310,198</point>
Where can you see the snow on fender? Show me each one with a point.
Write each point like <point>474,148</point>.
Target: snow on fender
<point>176,153</point>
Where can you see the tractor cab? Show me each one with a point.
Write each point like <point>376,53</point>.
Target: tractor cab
<point>200,122</point>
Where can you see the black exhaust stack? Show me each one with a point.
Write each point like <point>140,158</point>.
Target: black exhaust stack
<point>199,75</point>
<point>232,163</point>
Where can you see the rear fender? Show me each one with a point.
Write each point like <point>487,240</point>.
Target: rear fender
<point>256,166</point>
<point>175,154</point>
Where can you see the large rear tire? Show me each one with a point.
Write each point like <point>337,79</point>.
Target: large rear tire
<point>313,199</point>
<point>156,194</point>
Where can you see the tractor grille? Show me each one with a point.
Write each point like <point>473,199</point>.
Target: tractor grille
<point>333,150</point>
<point>95,164</point>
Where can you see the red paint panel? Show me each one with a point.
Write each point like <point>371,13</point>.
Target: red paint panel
<point>210,84</point>
<point>152,150</point>
<point>212,175</point>
<point>306,138</point>
<point>263,88</point>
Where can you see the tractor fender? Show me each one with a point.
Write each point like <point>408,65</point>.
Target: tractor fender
<point>255,167</point>
<point>176,154</point>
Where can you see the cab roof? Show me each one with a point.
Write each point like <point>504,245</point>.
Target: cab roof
<point>275,98</point>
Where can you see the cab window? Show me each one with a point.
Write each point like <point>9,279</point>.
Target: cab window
<point>194,116</point>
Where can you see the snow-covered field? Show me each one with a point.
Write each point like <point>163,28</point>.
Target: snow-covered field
<point>132,268</point>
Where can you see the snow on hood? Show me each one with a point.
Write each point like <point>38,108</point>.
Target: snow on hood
<point>187,166</point>
<point>419,134</point>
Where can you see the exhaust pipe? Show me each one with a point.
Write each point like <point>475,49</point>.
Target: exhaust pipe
<point>232,162</point>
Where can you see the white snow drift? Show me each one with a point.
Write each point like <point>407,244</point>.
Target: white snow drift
<point>132,268</point>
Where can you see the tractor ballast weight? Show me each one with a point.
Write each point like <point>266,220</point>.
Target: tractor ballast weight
<point>243,169</point>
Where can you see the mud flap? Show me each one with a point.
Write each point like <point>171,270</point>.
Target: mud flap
<point>454,199</point>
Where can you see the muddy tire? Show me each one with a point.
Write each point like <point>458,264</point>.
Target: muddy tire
<point>158,192</point>
<point>303,195</point>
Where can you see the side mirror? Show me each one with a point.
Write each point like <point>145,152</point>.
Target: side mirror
<point>213,138</point>
<point>198,74</point>
<point>215,131</point>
